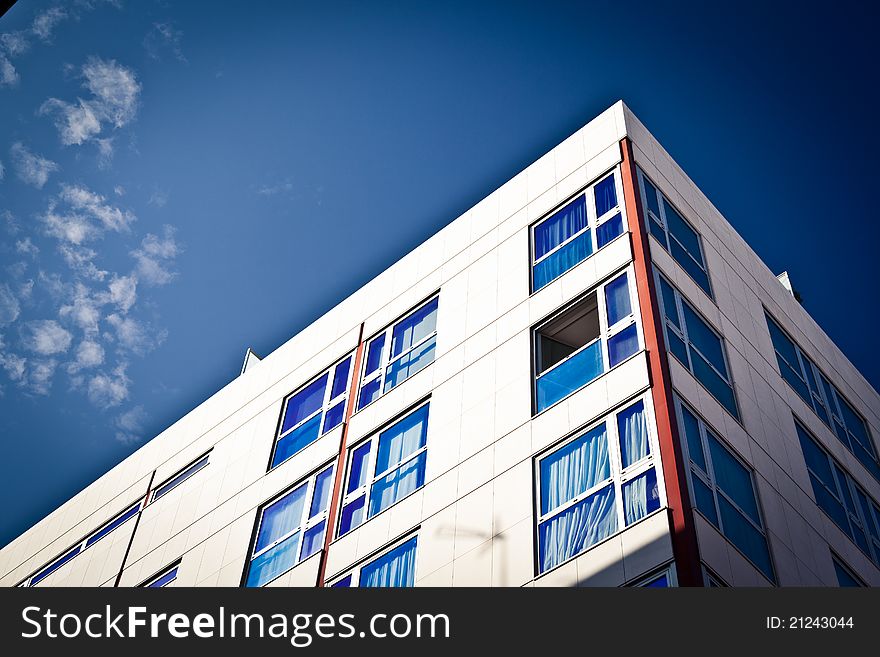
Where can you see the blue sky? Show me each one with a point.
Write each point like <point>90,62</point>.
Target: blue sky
<point>180,182</point>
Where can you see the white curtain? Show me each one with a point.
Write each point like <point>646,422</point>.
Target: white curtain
<point>402,439</point>
<point>281,517</point>
<point>395,569</point>
<point>398,484</point>
<point>633,432</point>
<point>640,497</point>
<point>574,469</point>
<point>577,528</point>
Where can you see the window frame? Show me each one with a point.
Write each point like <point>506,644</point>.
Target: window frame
<point>708,478</point>
<point>664,225</point>
<point>150,581</point>
<point>667,571</point>
<point>370,478</point>
<point>619,476</point>
<point>683,335</point>
<point>328,403</point>
<point>606,332</point>
<point>593,223</point>
<point>842,565</point>
<point>170,483</point>
<point>305,523</point>
<point>826,395</point>
<point>385,359</point>
<point>354,571</point>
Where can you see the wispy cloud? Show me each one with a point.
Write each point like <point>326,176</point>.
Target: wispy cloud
<point>45,337</point>
<point>78,215</point>
<point>164,37</point>
<point>282,187</point>
<point>10,308</point>
<point>46,22</point>
<point>108,389</point>
<point>135,336</point>
<point>27,247</point>
<point>15,43</point>
<point>155,255</point>
<point>130,425</point>
<point>31,168</point>
<point>115,94</point>
<point>89,354</point>
<point>8,75</point>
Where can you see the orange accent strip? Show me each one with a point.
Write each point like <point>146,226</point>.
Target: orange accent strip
<point>336,496</point>
<point>684,533</point>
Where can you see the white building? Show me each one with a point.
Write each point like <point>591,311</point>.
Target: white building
<point>499,409</point>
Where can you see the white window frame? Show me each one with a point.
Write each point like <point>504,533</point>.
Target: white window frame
<point>606,332</point>
<point>708,479</point>
<point>329,402</point>
<point>355,570</point>
<point>371,477</point>
<point>645,580</point>
<point>172,482</point>
<point>619,476</point>
<point>592,225</point>
<point>175,568</point>
<point>385,359</point>
<point>664,225</point>
<point>304,525</point>
<point>682,334</point>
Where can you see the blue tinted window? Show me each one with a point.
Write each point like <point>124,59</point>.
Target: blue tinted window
<point>617,303</point>
<point>313,540</point>
<point>844,577</point>
<point>560,261</point>
<point>606,195</point>
<point>414,328</point>
<point>374,354</point>
<point>357,476</point>
<point>574,469</point>
<point>340,378</point>
<point>304,403</point>
<point>705,501</point>
<point>576,528</point>
<point>333,418</point>
<point>301,437</point>
<point>352,515</point>
<point>622,345</point>
<point>179,479</point>
<point>281,517</point>
<point>164,580</point>
<point>552,232</point>
<point>651,197</point>
<point>632,431</point>
<point>569,375</point>
<point>704,339</point>
<point>407,365</point>
<point>344,583</point>
<point>609,230</point>
<point>369,392</point>
<point>397,484</point>
<point>641,496</point>
<point>733,478</point>
<point>686,235</point>
<point>397,568</point>
<point>321,496</point>
<point>402,439</point>
<point>101,533</point>
<point>273,562</point>
<point>55,565</point>
<point>694,442</point>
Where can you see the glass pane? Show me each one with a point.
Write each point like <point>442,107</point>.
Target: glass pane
<point>179,479</point>
<point>641,496</point>
<point>55,565</point>
<point>816,459</point>
<point>352,515</point>
<point>574,469</point>
<point>404,367</point>
<point>397,568</point>
<point>658,582</point>
<point>692,434</point>
<point>657,231</point>
<point>274,562</point>
<point>617,303</point>
<point>569,375</point>
<point>402,439</point>
<point>733,478</point>
<point>321,494</point>
<point>632,430</point>
<point>606,195</point>
<point>304,403</point>
<point>560,261</point>
<point>651,197</point>
<point>678,347</point>
<point>704,339</point>
<point>345,582</point>
<point>340,378</point>
<point>301,437</point>
<point>854,424</point>
<point>622,345</point>
<point>374,354</point>
<point>830,505</point>
<point>333,417</point>
<point>704,500</point>
<point>101,533</point>
<point>669,308</point>
<point>844,578</point>
<point>690,266</point>
<point>164,580</point>
<point>281,517</point>
<point>357,476</point>
<point>782,344</point>
<point>397,484</point>
<point>578,527</point>
<point>417,326</point>
<point>719,388</point>
<point>313,540</point>
<point>682,232</point>
<point>794,380</point>
<point>369,392</point>
<point>553,231</point>
<point>744,536</point>
<point>609,230</point>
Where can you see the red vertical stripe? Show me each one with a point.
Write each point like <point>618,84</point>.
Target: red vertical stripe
<point>684,534</point>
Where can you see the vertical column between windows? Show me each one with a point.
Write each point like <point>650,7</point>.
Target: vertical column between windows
<point>339,475</point>
<point>684,536</point>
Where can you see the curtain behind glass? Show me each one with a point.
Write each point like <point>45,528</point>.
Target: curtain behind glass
<point>577,528</point>
<point>304,403</point>
<point>574,469</point>
<point>397,484</point>
<point>395,569</point>
<point>633,431</point>
<point>417,326</point>
<point>553,266</point>
<point>281,517</point>
<point>402,439</point>
<point>562,225</point>
<point>640,497</point>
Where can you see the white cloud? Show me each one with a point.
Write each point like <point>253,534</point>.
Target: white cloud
<point>119,190</point>
<point>14,365</point>
<point>10,309</point>
<point>88,354</point>
<point>14,43</point>
<point>8,75</point>
<point>134,335</point>
<point>158,198</point>
<point>123,291</point>
<point>83,310</point>
<point>105,152</point>
<point>45,337</point>
<point>109,389</point>
<point>114,99</point>
<point>46,22</point>
<point>82,200</point>
<point>154,256</point>
<point>272,190</point>
<point>27,247</point>
<point>2,171</point>
<point>81,260</point>
<point>79,215</point>
<point>164,36</point>
<point>31,168</point>
<point>130,425</point>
